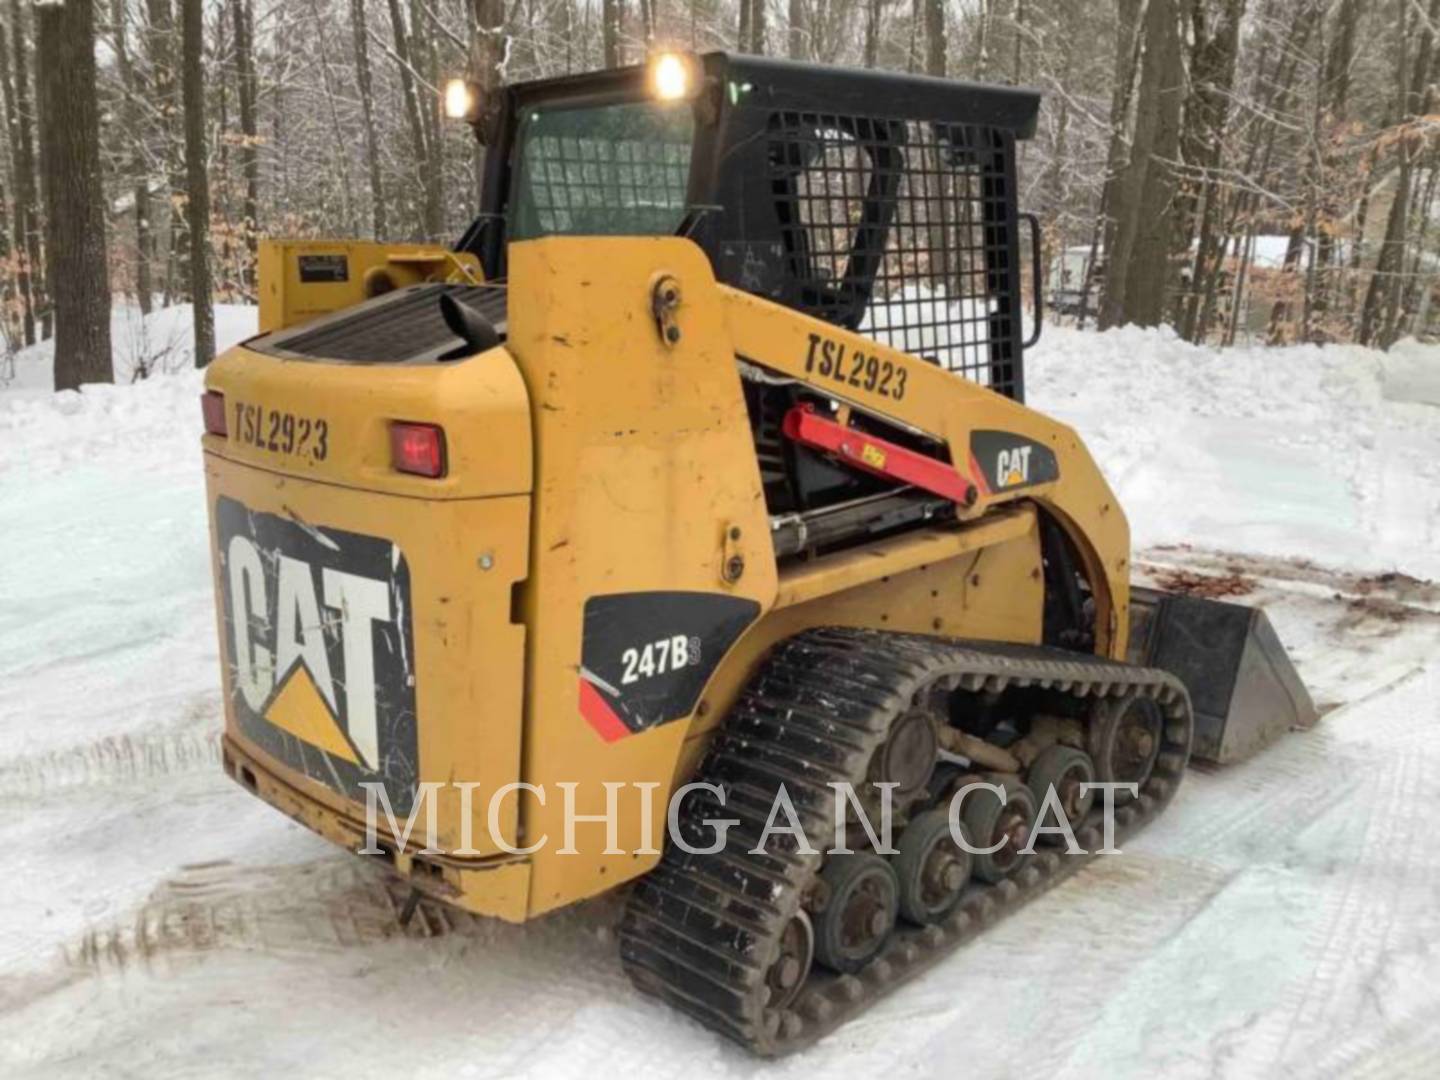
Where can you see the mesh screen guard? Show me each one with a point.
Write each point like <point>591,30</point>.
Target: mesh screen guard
<point>904,231</point>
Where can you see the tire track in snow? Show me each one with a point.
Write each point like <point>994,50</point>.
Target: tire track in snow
<point>1398,890</point>
<point>321,906</point>
<point>1103,928</point>
<point>1356,936</point>
<point>115,759</point>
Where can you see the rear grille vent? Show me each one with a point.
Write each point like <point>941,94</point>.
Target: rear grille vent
<point>402,327</point>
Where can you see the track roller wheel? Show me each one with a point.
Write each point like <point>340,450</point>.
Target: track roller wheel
<point>862,902</point>
<point>791,967</point>
<point>1125,738</point>
<point>933,870</point>
<point>1066,770</point>
<point>990,820</point>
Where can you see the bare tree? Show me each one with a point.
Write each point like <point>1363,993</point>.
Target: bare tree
<point>798,32</point>
<point>197,182</point>
<point>1138,261</point>
<point>243,13</point>
<point>611,13</point>
<point>364,85</point>
<point>425,163</point>
<point>30,280</point>
<point>74,192</point>
<point>133,90</point>
<point>935,37</point>
<point>1380,317</point>
<point>1212,77</point>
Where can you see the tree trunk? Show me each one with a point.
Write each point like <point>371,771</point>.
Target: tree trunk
<point>610,15</point>
<point>14,244</point>
<point>365,88</point>
<point>1127,50</point>
<point>872,32</point>
<point>28,225</point>
<point>1161,92</point>
<point>1212,79</point>
<point>935,37</point>
<point>197,183</point>
<point>161,43</point>
<point>133,90</point>
<point>799,31</point>
<point>488,48</point>
<point>347,195</point>
<point>74,192</point>
<point>427,65</point>
<point>418,146</point>
<point>1380,316</point>
<point>1017,68</point>
<point>244,16</point>
<point>982,51</point>
<point>1272,88</point>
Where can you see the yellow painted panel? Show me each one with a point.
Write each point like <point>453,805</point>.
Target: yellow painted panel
<point>287,299</point>
<point>464,558</point>
<point>480,402</point>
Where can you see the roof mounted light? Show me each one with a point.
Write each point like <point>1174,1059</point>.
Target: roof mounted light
<point>462,100</point>
<point>673,76</point>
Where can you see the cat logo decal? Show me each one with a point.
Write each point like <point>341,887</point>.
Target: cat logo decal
<point>319,650</point>
<point>1004,461</point>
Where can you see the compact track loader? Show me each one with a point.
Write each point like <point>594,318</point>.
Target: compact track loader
<point>700,467</point>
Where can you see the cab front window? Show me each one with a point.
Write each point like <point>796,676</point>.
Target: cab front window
<point>602,170</point>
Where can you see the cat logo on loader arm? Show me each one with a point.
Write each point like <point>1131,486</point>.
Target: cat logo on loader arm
<point>693,491</point>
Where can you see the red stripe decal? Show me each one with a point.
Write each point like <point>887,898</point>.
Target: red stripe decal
<point>871,454</point>
<point>598,713</point>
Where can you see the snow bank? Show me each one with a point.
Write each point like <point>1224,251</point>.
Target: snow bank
<point>162,342</point>
<point>154,422</point>
<point>1327,453</point>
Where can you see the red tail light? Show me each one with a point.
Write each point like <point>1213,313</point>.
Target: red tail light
<point>212,407</point>
<point>417,448</point>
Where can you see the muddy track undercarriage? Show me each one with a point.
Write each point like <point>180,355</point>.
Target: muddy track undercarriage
<point>775,946</point>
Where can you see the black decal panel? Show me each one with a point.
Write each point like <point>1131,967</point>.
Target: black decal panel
<point>649,654</point>
<point>1008,462</point>
<point>324,268</point>
<point>318,646</point>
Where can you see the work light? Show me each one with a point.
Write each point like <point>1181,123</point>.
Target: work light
<point>462,100</point>
<point>672,76</point>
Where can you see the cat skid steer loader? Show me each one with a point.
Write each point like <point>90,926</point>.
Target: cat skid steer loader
<point>700,467</point>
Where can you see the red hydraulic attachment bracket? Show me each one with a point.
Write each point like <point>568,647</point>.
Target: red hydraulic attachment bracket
<point>878,456</point>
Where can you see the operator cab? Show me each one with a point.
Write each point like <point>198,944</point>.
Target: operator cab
<point>877,201</point>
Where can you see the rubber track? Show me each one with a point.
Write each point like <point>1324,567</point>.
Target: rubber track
<point>700,931</point>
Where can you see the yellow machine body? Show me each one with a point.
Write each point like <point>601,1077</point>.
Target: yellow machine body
<point>590,456</point>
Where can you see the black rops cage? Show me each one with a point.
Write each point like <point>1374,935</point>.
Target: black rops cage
<point>880,202</point>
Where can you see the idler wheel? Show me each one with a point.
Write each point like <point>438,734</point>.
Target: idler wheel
<point>1125,737</point>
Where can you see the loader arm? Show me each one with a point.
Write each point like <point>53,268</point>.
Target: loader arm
<point>972,425</point>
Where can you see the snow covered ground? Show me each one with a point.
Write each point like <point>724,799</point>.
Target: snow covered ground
<point>1282,918</point>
